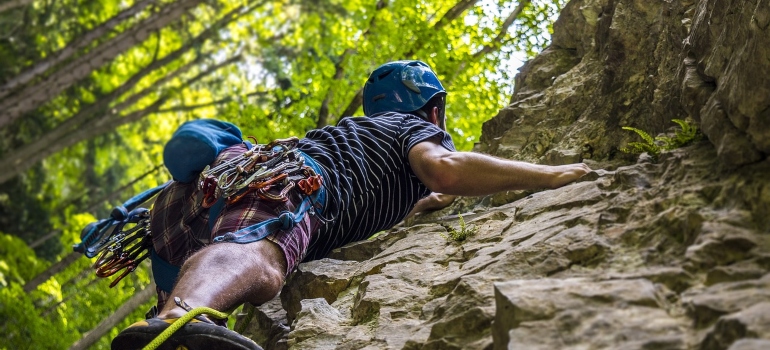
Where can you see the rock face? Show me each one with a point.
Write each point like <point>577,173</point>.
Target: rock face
<point>672,254</point>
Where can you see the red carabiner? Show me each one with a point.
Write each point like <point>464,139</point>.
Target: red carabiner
<point>130,267</point>
<point>209,190</point>
<point>310,185</point>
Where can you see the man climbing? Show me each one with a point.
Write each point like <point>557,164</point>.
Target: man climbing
<point>369,173</point>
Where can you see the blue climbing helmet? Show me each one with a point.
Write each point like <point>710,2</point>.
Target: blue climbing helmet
<point>400,86</point>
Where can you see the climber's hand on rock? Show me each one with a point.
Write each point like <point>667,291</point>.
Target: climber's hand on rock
<point>568,173</point>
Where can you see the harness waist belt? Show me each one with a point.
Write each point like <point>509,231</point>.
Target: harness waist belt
<point>285,220</point>
<point>165,274</point>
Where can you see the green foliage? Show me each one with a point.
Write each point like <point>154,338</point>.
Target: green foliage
<point>648,145</point>
<point>22,326</point>
<point>18,262</point>
<point>60,310</point>
<point>686,134</point>
<point>462,233</point>
<point>287,63</point>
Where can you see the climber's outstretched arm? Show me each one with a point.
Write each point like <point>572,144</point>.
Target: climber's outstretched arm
<point>475,174</point>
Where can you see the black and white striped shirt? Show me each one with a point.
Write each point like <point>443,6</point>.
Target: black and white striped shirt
<point>370,184</point>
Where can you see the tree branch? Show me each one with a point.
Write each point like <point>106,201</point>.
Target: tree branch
<point>49,272</point>
<point>495,44</point>
<point>71,48</point>
<point>452,14</point>
<point>23,158</point>
<point>188,108</point>
<point>32,96</point>
<point>83,274</point>
<point>92,336</point>
<point>112,121</point>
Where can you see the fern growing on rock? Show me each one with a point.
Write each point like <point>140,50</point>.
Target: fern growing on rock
<point>687,134</point>
<point>462,234</point>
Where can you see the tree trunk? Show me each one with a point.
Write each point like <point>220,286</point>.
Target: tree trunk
<point>357,101</point>
<point>72,48</point>
<point>93,336</point>
<point>91,207</point>
<point>43,239</point>
<point>32,96</point>
<point>112,121</point>
<point>49,272</point>
<point>323,112</point>
<point>115,193</point>
<point>50,143</point>
<point>17,161</point>
<point>14,4</point>
<point>339,73</point>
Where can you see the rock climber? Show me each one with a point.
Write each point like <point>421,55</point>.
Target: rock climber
<point>363,175</point>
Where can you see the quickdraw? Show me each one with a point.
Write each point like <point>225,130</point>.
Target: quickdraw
<point>275,166</point>
<point>127,246</point>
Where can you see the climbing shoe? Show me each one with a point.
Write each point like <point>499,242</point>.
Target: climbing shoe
<point>194,335</point>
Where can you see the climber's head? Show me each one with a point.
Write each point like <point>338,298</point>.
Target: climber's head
<point>406,87</point>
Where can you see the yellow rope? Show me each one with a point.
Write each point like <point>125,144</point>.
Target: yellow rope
<point>179,323</point>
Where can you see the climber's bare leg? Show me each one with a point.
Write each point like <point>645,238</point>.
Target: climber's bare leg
<point>225,275</point>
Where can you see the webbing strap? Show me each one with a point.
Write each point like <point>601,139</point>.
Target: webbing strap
<point>214,212</point>
<point>163,272</point>
<point>94,237</point>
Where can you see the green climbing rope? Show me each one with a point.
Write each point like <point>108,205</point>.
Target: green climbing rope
<point>155,343</point>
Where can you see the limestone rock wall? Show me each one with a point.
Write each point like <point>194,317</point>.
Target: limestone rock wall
<point>639,63</point>
<point>673,254</point>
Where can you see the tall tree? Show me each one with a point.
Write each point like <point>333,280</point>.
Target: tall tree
<point>91,89</point>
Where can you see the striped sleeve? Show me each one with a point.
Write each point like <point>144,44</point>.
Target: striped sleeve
<point>415,130</point>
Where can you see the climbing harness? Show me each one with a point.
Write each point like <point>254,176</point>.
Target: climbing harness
<point>278,166</point>
<point>272,171</point>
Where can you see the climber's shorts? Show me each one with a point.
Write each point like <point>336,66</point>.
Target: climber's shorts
<point>180,225</point>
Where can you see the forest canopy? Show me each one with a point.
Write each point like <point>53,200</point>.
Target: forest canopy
<point>91,89</point>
